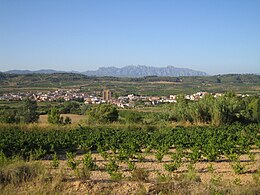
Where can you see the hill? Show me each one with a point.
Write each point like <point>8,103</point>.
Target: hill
<point>150,85</point>
<point>42,71</point>
<point>126,71</point>
<point>141,71</point>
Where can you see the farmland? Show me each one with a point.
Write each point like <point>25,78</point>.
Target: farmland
<point>207,146</point>
<point>75,119</point>
<point>150,85</point>
<point>148,156</point>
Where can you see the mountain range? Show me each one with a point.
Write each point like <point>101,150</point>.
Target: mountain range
<point>126,71</point>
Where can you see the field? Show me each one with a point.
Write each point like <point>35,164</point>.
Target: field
<point>210,146</point>
<point>202,176</point>
<point>136,159</point>
<point>75,118</point>
<point>245,84</point>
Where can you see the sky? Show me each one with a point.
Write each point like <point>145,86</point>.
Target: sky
<point>214,36</point>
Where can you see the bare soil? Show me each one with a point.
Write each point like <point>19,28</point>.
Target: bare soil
<point>75,118</point>
<point>100,181</point>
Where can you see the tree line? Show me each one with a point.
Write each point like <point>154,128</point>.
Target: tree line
<point>226,109</point>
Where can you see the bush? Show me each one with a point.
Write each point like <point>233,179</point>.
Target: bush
<point>140,175</point>
<point>55,161</point>
<point>28,111</point>
<point>238,168</point>
<point>54,116</point>
<point>19,172</point>
<point>133,117</point>
<point>103,113</point>
<point>88,162</point>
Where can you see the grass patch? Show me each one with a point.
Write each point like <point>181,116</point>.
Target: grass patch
<point>19,172</point>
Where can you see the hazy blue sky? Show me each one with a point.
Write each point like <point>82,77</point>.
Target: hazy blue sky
<point>215,36</point>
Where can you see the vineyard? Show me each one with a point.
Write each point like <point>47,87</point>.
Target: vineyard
<point>120,151</point>
<point>201,141</point>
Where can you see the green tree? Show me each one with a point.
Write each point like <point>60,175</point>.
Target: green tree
<point>54,116</point>
<point>28,112</point>
<point>70,107</point>
<point>180,110</point>
<point>67,120</point>
<point>133,117</point>
<point>9,116</point>
<point>253,110</point>
<point>227,109</point>
<point>102,113</point>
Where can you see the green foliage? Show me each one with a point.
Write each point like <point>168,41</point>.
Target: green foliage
<point>70,107</point>
<point>140,157</point>
<point>3,159</point>
<point>54,116</point>
<point>112,169</point>
<point>192,143</point>
<point>238,167</point>
<point>88,162</point>
<point>192,174</point>
<point>237,181</point>
<point>71,162</point>
<point>131,165</point>
<point>55,161</point>
<point>67,120</point>
<point>226,109</point>
<point>160,153</point>
<point>233,157</point>
<point>28,111</point>
<point>140,175</point>
<point>133,117</point>
<point>253,110</point>
<point>9,116</point>
<point>112,166</point>
<point>252,156</point>
<point>195,154</point>
<point>172,166</point>
<point>82,173</point>
<point>210,168</point>
<point>161,177</point>
<point>37,153</point>
<point>116,176</point>
<point>103,153</point>
<point>102,113</point>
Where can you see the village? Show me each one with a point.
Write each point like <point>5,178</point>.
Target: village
<point>105,96</point>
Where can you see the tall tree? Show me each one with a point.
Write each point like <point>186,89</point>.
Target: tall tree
<point>54,116</point>
<point>103,113</point>
<point>28,112</point>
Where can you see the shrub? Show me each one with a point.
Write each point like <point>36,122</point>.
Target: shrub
<point>102,113</point>
<point>19,172</point>
<point>140,175</point>
<point>111,166</point>
<point>238,168</point>
<point>54,116</point>
<point>172,166</point>
<point>88,162</point>
<point>116,176</point>
<point>82,173</point>
<point>55,161</point>
<point>72,163</point>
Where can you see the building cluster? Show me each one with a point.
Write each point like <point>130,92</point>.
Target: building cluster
<point>58,95</point>
<point>130,100</point>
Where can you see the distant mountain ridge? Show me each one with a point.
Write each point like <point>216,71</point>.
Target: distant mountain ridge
<point>126,71</point>
<point>42,71</point>
<point>141,71</point>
